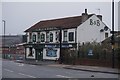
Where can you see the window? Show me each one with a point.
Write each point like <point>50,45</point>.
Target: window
<point>51,53</point>
<point>38,36</point>
<point>42,37</point>
<point>51,37</point>
<point>30,37</point>
<point>31,53</point>
<point>65,36</point>
<point>106,35</point>
<point>34,38</point>
<point>57,36</point>
<point>71,36</point>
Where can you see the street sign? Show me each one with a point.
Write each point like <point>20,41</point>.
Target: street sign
<point>90,52</point>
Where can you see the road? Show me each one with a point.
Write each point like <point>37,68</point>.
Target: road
<point>11,69</point>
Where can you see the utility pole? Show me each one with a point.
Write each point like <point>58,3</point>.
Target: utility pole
<point>112,38</point>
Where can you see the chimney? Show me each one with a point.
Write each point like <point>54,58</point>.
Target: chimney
<point>85,11</point>
<point>84,16</point>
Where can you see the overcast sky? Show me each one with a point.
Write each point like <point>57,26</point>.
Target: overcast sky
<point>19,16</point>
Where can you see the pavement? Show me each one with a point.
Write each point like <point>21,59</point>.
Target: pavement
<point>73,67</point>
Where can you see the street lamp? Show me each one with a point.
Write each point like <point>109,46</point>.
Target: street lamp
<point>4,22</point>
<point>112,37</point>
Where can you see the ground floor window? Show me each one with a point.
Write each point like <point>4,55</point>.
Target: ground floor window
<point>30,52</point>
<point>51,53</point>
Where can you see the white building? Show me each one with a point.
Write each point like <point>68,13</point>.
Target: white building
<point>43,37</point>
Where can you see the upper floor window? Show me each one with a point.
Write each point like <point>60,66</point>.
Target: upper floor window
<point>38,36</point>
<point>57,36</point>
<point>42,37</point>
<point>34,38</point>
<point>30,37</point>
<point>65,36</point>
<point>71,36</point>
<point>51,37</point>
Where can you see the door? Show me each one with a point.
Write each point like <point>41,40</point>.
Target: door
<point>39,54</point>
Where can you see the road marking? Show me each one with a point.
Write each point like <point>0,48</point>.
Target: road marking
<point>11,61</point>
<point>26,75</point>
<point>17,63</point>
<point>8,70</point>
<point>63,76</point>
<point>21,65</point>
<point>69,73</point>
<point>32,65</point>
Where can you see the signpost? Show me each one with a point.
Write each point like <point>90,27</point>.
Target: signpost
<point>60,40</point>
<point>90,53</point>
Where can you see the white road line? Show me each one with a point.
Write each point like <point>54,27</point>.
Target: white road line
<point>21,65</point>
<point>26,75</point>
<point>17,63</point>
<point>69,73</point>
<point>32,65</point>
<point>63,76</point>
<point>8,70</point>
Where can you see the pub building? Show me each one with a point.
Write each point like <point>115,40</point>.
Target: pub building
<point>43,41</point>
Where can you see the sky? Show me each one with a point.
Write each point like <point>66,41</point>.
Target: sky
<point>118,16</point>
<point>20,16</point>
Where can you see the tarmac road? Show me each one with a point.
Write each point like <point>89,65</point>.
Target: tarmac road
<point>11,69</point>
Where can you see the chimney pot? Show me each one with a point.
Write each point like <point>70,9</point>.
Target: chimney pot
<point>85,11</point>
<point>84,16</point>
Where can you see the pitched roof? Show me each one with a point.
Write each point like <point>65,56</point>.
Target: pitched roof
<point>69,22</point>
<point>116,37</point>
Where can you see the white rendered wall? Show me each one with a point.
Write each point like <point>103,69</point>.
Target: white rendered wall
<point>90,33</point>
<point>28,37</point>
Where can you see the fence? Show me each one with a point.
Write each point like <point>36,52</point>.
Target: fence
<point>92,54</point>
<point>13,56</point>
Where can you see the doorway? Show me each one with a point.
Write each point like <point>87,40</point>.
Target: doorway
<point>39,54</point>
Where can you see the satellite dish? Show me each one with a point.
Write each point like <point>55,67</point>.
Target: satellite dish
<point>101,30</point>
<point>105,28</point>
